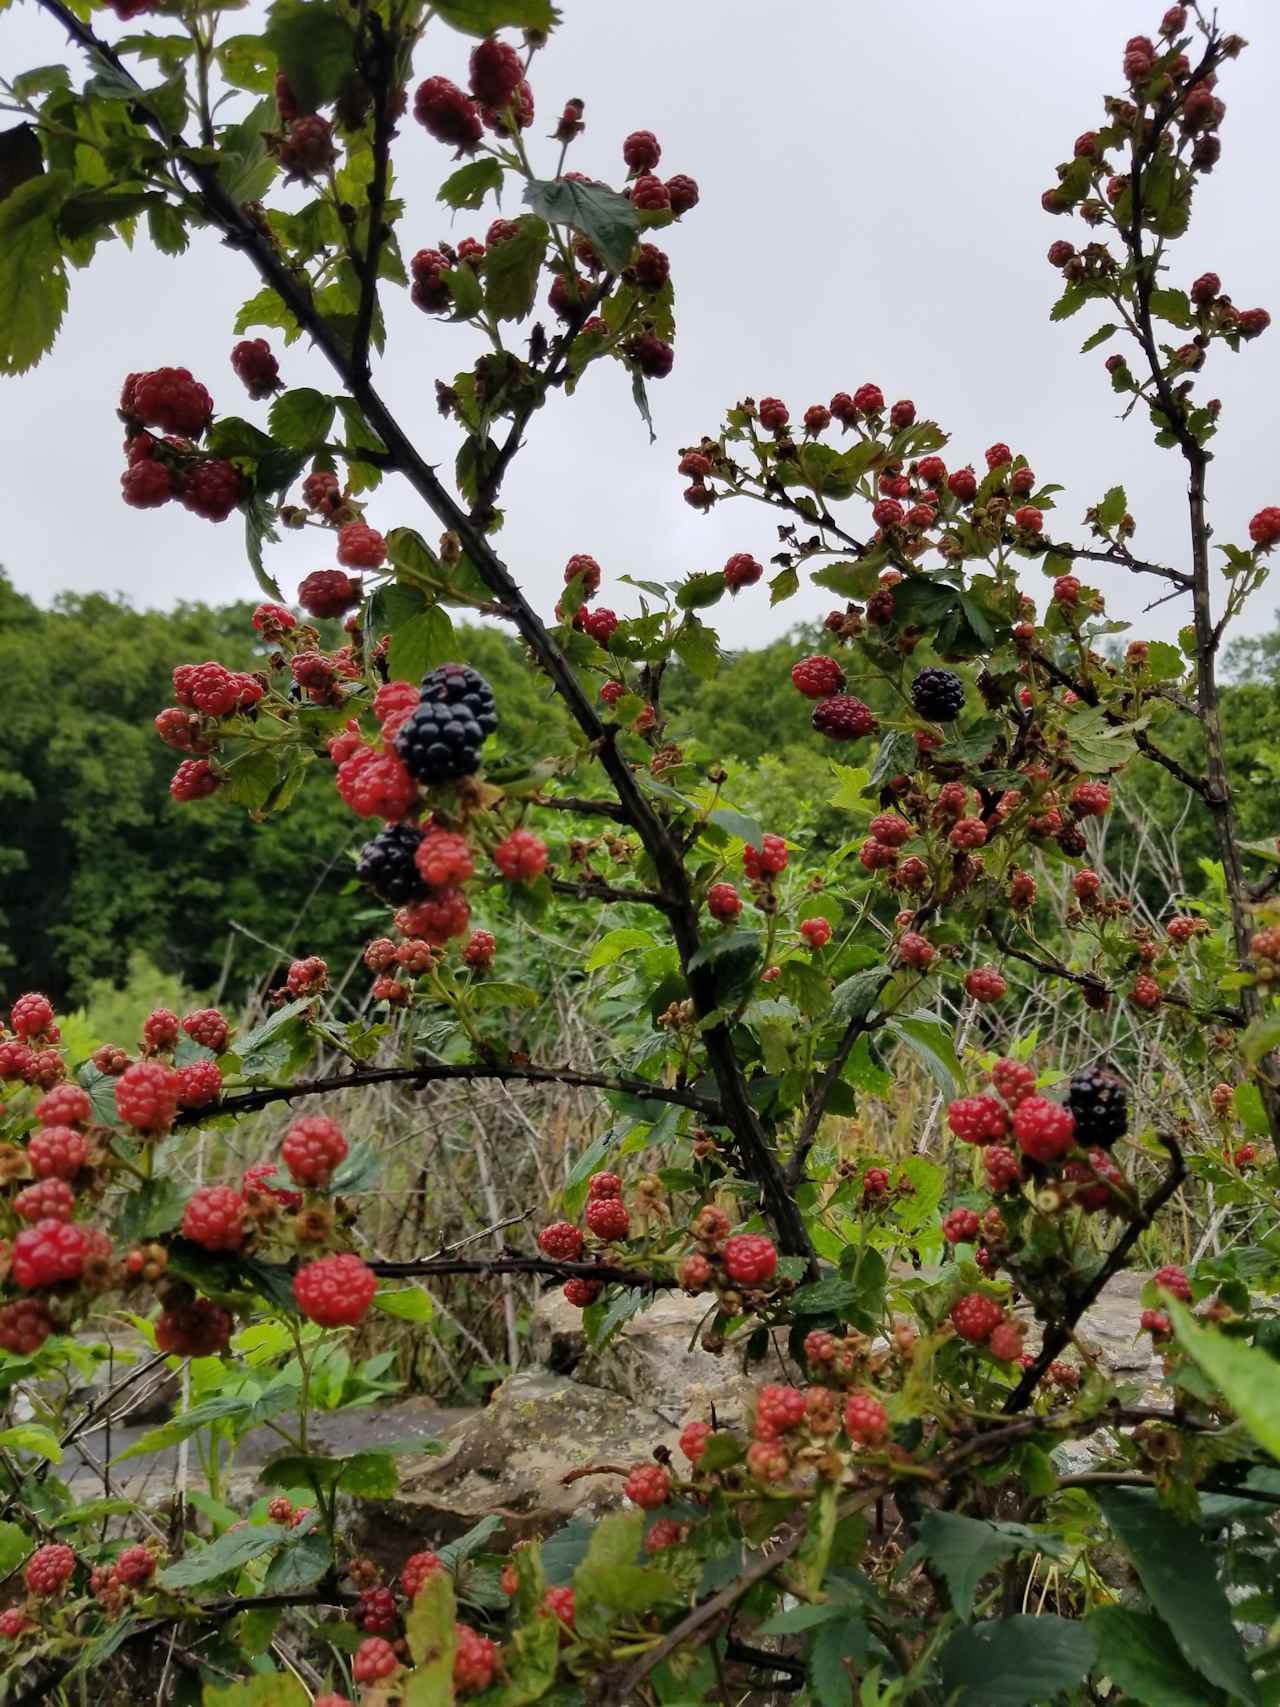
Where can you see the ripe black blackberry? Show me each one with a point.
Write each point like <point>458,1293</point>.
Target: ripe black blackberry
<point>387,864</point>
<point>938,695</point>
<point>442,738</point>
<point>1100,1104</point>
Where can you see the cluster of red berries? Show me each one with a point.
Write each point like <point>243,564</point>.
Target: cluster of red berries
<point>158,469</point>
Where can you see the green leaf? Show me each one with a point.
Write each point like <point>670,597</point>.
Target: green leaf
<point>616,944</point>
<point>248,63</point>
<point>470,184</point>
<point>1179,1576</point>
<point>1165,662</point>
<point>1112,509</point>
<point>218,1409</point>
<point>733,960</point>
<point>421,643</point>
<point>697,648</point>
<point>504,995</point>
<point>511,269</point>
<point>608,220</point>
<point>152,1208</point>
<point>33,279</point>
<point>857,995</point>
<point>271,1689</point>
<point>697,592</point>
<point>167,228</point>
<point>1070,302</point>
<point>369,1476</point>
<point>964,1549</point>
<point>407,1303</point>
<point>1136,1650</point>
<point>739,825</point>
<point>831,1652</point>
<point>1173,306</point>
<point>91,211</point>
<point>931,1041</point>
<point>1016,1662</point>
<point>300,1566</point>
<point>33,1438</point>
<point>429,1627</point>
<point>14,1547</point>
<point>1104,332</point>
<point>850,580</point>
<point>1247,1377</point>
<point>268,309</point>
<point>228,1553</point>
<point>301,418</point>
<point>608,1574</point>
<point>314,46</point>
<point>483,17</point>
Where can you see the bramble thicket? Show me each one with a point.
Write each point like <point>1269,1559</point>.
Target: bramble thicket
<point>892,1056</point>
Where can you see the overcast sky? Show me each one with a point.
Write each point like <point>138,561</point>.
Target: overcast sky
<point>870,174</point>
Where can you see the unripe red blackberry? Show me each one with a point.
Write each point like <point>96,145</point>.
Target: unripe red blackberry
<point>817,676</point>
<point>199,1084</point>
<point>312,1149</point>
<point>159,1031</point>
<point>1045,1130</point>
<point>561,1241</point>
<point>521,856</point>
<point>694,465</point>
<point>963,484</point>
<point>1173,1280</point>
<point>207,1027</point>
<point>1157,1324</point>
<point>147,1096</point>
<point>24,1326</point>
<point>581,1292</point>
<point>650,194</point>
<point>976,1119</point>
<point>902,414</point>
<point>960,1227</point>
<point>647,1486</point>
<point>47,1200</point>
<point>146,485</point>
<point>608,1217</point>
<point>448,113</point>
<point>1146,993</point>
<point>1264,529</point>
<point>168,398</point>
<point>1066,590</point>
<point>985,984</point>
<point>437,918</point>
<point>360,547</point>
<point>376,785</point>
<point>817,418</point>
<point>866,1421</point>
<point>651,267</point>
<point>916,951</point>
<point>256,367</point>
<point>698,496</point>
<point>215,1218</point>
<point>694,1273</point>
<point>480,950</point>
<point>328,593</point>
<point>417,1571</point>
<point>1028,518</point>
<point>779,1409</point>
<point>335,1291</point>
<point>496,72</point>
<point>375,1658</point>
<point>975,1317</point>
<point>322,493</point>
<point>199,1329</point>
<point>750,1259</point>
<point>723,901</point>
<point>773,414</point>
<point>641,151</point>
<point>887,513</point>
<point>868,400</point>
<point>843,718</point>
<point>600,624</point>
<point>767,860</point>
<point>306,149</point>
<point>682,193</point>
<point>652,355</point>
<point>50,1251</point>
<point>49,1569</point>
<point>816,932</point>
<point>741,570</point>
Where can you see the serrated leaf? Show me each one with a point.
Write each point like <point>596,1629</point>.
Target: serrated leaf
<point>1111,510</point>
<point>511,269</point>
<point>1016,1662</point>
<point>470,184</point>
<point>1247,1376</point>
<point>301,419</point>
<point>1137,1651</point>
<point>931,1040</point>
<point>1104,332</point>
<point>1179,1575</point>
<point>167,229</point>
<point>965,1549</point>
<point>314,46</point>
<point>420,643</point>
<point>33,279</point>
<point>34,1439</point>
<point>228,1553</point>
<point>608,220</point>
<point>738,824</point>
<point>698,591</point>
<point>1172,305</point>
<point>300,1566</point>
<point>406,1303</point>
<point>831,1652</point>
<point>850,580</point>
<point>483,17</point>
